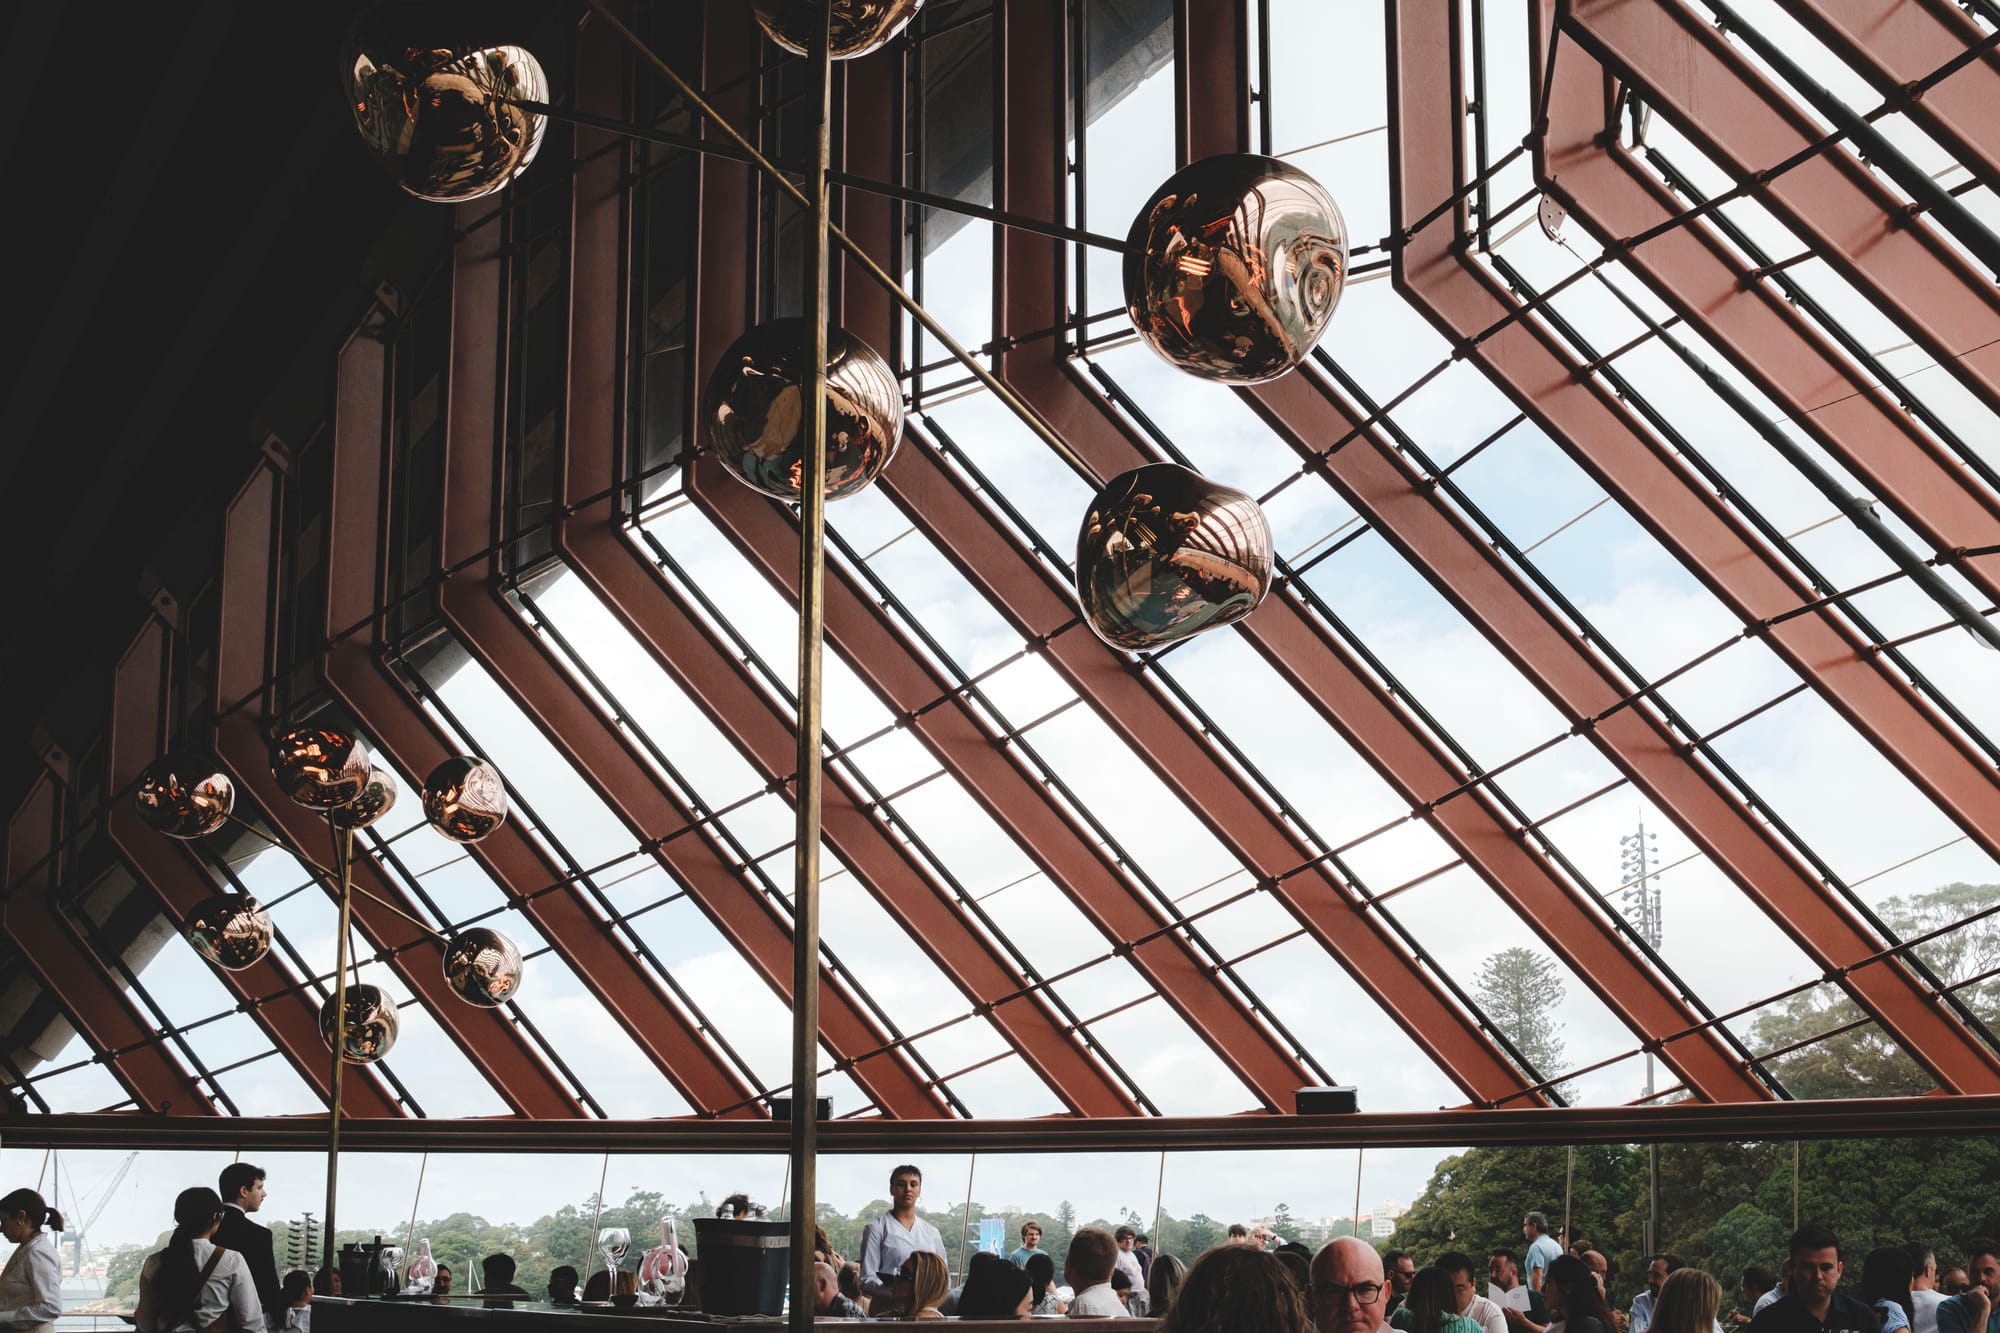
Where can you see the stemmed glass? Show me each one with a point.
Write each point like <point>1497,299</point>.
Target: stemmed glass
<point>614,1243</point>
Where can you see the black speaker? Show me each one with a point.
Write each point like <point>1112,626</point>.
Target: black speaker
<point>781,1108</point>
<point>1325,1101</point>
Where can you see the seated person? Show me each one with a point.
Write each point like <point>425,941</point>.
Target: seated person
<point>562,1285</point>
<point>996,1290</point>
<point>850,1285</point>
<point>1092,1259</point>
<point>440,1289</point>
<point>828,1302</point>
<point>498,1272</point>
<point>597,1287</point>
<point>1242,1289</point>
<point>298,1297</point>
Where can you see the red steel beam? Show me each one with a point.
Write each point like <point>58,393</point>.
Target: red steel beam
<point>723,686</point>
<point>1214,63</point>
<point>1765,337</point>
<point>1526,361</point>
<point>267,991</point>
<point>356,672</point>
<point>492,1042</point>
<point>1894,43</point>
<point>123,1039</point>
<point>1691,74</point>
<point>1029,285</point>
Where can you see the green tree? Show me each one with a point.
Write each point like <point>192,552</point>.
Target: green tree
<point>1519,991</point>
<point>1281,1220</point>
<point>1199,1235</point>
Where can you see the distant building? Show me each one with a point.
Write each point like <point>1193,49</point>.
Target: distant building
<point>1382,1222</point>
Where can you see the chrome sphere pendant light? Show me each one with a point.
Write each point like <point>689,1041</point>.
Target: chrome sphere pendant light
<point>370,1030</point>
<point>437,110</point>
<point>321,768</point>
<point>1234,266</point>
<point>859,26</point>
<point>1166,553</point>
<point>465,798</point>
<point>184,797</point>
<point>230,930</point>
<point>483,967</point>
<point>377,798</point>
<point>755,418</point>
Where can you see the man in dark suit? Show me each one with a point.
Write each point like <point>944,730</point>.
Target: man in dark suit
<point>242,1191</point>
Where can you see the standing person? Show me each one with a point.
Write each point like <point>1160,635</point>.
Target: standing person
<point>1348,1289</point>
<point>298,1291</point>
<point>897,1234</point>
<point>1750,1289</point>
<point>1031,1243</point>
<point>1503,1275</point>
<point>1457,1266</point>
<point>1399,1268</point>
<point>1542,1248</point>
<point>1972,1312</point>
<point>1777,1291</point>
<point>1092,1259</point>
<point>1953,1282</point>
<point>1658,1269</point>
<point>1885,1285</point>
<point>31,1284</point>
<point>1431,1307</point>
<point>1924,1295</point>
<point>242,1188</point>
<point>1238,1289</point>
<point>1238,1235</point>
<point>1127,1261</point>
<point>195,1283</point>
<point>1143,1252</point>
<point>1812,1305</point>
<point>1576,1298</point>
<point>1689,1301</point>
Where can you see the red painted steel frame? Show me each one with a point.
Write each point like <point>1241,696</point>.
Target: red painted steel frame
<point>1373,478</point>
<point>1434,272</point>
<point>1762,334</point>
<point>131,1050</point>
<point>1690,74</point>
<point>356,672</point>
<point>494,1045</point>
<point>1894,43</point>
<point>1029,284</point>
<point>268,991</point>
<point>723,686</point>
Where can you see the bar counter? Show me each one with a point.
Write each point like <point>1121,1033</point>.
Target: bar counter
<point>339,1314</point>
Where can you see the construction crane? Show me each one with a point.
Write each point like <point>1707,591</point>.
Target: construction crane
<point>75,1238</point>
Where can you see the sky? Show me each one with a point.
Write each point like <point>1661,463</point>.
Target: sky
<point>1814,772</point>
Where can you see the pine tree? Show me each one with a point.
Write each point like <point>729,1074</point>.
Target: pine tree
<point>1519,991</point>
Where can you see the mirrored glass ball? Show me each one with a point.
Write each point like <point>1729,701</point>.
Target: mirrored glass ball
<point>1166,553</point>
<point>377,798</point>
<point>371,1024</point>
<point>231,930</point>
<point>483,967</point>
<point>321,767</point>
<point>184,797</point>
<point>859,26</point>
<point>754,410</point>
<point>427,100</point>
<point>1234,266</point>
<point>465,799</point>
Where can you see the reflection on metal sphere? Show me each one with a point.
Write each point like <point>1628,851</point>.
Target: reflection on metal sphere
<point>184,797</point>
<point>483,966</point>
<point>754,410</point>
<point>320,767</point>
<point>375,800</point>
<point>427,101</point>
<point>371,1024</point>
<point>464,798</point>
<point>1166,553</point>
<point>230,930</point>
<point>1233,267</point>
<point>859,26</point>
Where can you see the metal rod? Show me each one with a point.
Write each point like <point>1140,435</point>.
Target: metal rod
<point>965,1220</point>
<point>343,855</point>
<point>320,871</point>
<point>596,1214</point>
<point>812,633</point>
<point>1059,446</point>
<point>416,1201</point>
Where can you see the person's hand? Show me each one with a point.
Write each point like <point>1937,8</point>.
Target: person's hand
<point>1515,1319</point>
<point>1981,1303</point>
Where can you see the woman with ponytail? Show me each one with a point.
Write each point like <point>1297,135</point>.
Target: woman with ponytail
<point>194,1285</point>
<point>31,1284</point>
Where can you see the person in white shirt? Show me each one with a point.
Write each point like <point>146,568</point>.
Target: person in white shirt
<point>1128,1262</point>
<point>898,1233</point>
<point>1924,1295</point>
<point>31,1284</point>
<point>194,1282</point>
<point>1457,1266</point>
<point>1093,1257</point>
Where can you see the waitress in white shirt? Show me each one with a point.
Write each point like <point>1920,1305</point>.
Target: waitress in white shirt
<point>31,1284</point>
<point>194,1282</point>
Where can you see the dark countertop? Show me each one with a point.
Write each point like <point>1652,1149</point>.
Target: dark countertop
<point>339,1314</point>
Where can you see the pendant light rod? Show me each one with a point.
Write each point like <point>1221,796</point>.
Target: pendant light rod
<point>812,632</point>
<point>1059,446</point>
<point>343,855</point>
<point>944,203</point>
<point>332,880</point>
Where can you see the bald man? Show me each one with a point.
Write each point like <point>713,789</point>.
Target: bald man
<point>1348,1291</point>
<point>828,1303</point>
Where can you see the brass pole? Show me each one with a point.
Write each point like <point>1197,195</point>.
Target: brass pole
<point>343,855</point>
<point>812,629</point>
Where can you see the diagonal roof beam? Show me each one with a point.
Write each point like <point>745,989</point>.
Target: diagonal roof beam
<point>1692,75</point>
<point>1434,271</point>
<point>122,1038</point>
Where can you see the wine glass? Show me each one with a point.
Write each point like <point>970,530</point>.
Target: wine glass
<point>614,1243</point>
